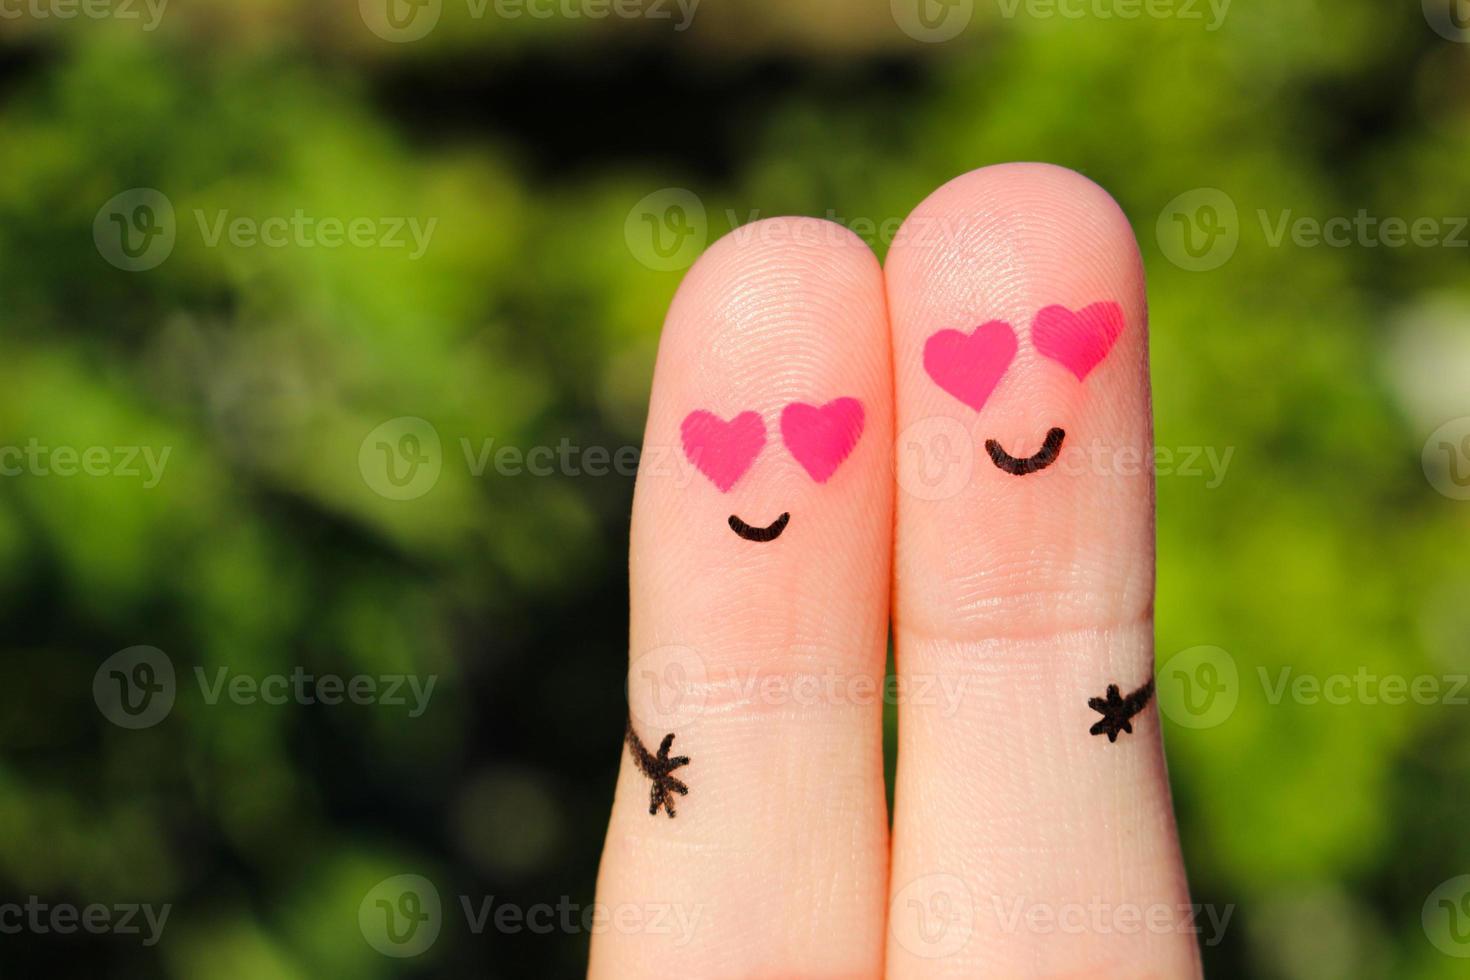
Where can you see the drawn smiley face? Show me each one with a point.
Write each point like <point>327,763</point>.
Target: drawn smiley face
<point>969,366</point>
<point>819,437</point>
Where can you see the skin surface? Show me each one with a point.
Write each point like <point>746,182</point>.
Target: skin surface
<point>1038,590</point>
<point>780,849</point>
<point>1022,845</point>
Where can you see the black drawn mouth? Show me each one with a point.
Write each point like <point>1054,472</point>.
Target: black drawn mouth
<point>770,532</point>
<point>1043,458</point>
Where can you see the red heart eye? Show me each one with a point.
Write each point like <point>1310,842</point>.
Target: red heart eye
<point>969,366</point>
<point>821,438</point>
<point>722,450</point>
<point>1077,340</point>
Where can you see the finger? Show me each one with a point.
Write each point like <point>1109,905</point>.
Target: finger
<point>1033,832</point>
<point>762,527</point>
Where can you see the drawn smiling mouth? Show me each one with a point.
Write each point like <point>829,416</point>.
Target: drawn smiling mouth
<point>1043,458</point>
<point>770,532</point>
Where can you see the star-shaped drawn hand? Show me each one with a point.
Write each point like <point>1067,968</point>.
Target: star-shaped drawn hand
<point>1117,711</point>
<point>657,768</point>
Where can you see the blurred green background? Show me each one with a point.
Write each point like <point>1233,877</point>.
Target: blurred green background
<point>561,172</point>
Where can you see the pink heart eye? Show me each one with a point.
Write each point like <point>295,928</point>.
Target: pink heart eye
<point>722,450</point>
<point>1077,340</point>
<point>969,366</point>
<point>821,438</point>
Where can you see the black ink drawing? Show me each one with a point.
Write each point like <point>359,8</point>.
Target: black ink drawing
<point>1117,711</point>
<point>751,533</point>
<point>658,769</point>
<point>1020,466</point>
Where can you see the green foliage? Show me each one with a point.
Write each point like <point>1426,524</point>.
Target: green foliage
<point>530,320</point>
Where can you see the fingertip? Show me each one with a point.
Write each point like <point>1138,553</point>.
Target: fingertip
<point>759,568</point>
<point>1013,228</point>
<point>1016,298</point>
